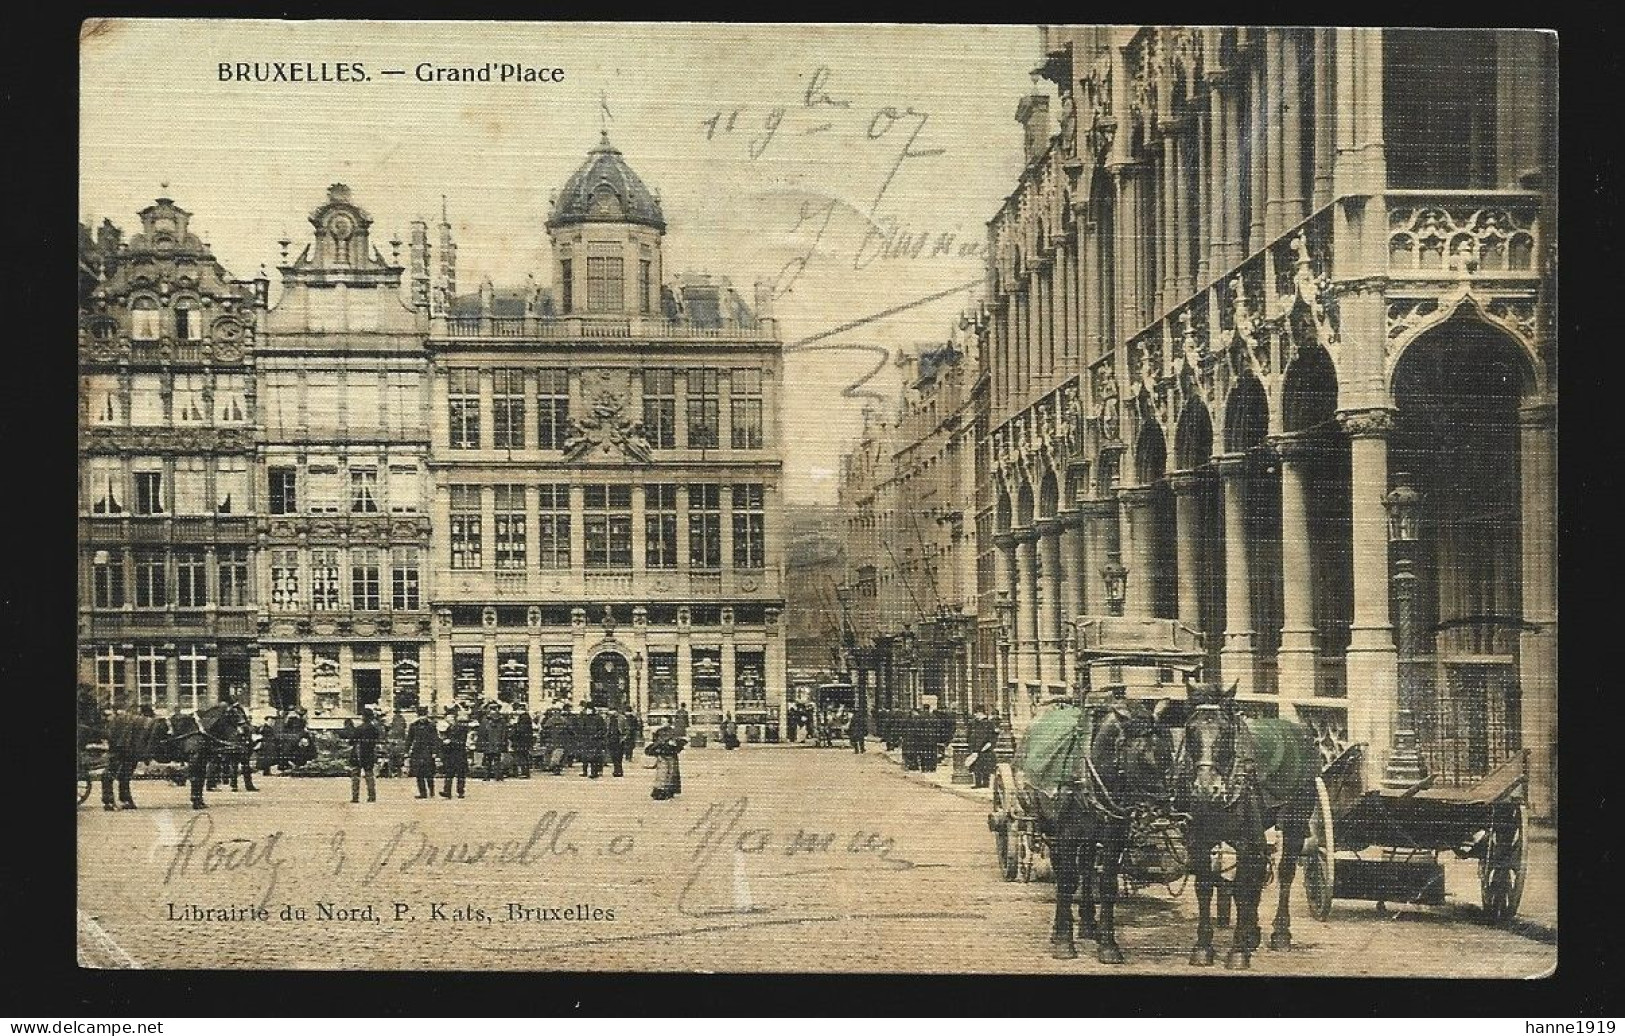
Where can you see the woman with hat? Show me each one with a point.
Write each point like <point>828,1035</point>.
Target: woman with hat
<point>665,747</point>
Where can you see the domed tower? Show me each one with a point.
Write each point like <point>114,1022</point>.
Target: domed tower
<point>606,227</point>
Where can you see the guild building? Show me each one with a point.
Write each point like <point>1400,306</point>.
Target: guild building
<point>606,476</point>
<point>1271,356</point>
<point>166,452</point>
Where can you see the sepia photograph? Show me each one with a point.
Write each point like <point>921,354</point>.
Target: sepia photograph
<point>1066,500</point>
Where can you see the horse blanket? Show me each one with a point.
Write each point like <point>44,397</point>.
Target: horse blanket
<point>1050,750</point>
<point>1282,754</point>
<point>132,736</point>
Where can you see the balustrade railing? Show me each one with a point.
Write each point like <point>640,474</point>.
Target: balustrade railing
<point>542,328</point>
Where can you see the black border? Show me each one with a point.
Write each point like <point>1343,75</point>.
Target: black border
<point>38,610</point>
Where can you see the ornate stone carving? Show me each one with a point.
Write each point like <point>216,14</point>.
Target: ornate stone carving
<point>1313,290</point>
<point>1406,315</point>
<point>1366,424</point>
<point>1461,239</point>
<point>606,432</point>
<point>1517,314</point>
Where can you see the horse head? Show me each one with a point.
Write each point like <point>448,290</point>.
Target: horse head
<point>1131,752</point>
<point>1208,752</point>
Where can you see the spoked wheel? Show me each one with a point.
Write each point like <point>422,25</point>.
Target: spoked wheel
<point>1004,843</point>
<point>1319,858</point>
<point>84,787</point>
<point>1502,867</point>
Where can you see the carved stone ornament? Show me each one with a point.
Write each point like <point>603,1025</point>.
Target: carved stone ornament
<point>606,432</point>
<point>1313,290</point>
<point>1365,424</point>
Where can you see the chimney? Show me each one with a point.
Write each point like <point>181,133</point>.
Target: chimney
<point>419,259</point>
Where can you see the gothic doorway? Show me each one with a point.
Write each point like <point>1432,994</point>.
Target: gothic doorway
<point>610,681</point>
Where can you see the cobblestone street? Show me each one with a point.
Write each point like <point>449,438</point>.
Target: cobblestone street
<point>773,859</point>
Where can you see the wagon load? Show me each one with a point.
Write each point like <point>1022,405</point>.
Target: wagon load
<point>1283,756</point>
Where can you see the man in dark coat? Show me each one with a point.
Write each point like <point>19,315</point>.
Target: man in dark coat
<point>555,739</point>
<point>395,752</point>
<point>591,735</point>
<point>857,731</point>
<point>615,740</point>
<point>270,743</point>
<point>983,735</point>
<point>493,739</point>
<point>454,752</point>
<point>522,736</point>
<point>363,739</point>
<point>422,745</point>
<point>679,723</point>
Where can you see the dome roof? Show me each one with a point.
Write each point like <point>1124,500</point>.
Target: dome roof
<point>605,190</point>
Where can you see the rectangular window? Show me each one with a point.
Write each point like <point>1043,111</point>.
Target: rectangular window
<point>110,677</point>
<point>364,579</point>
<point>107,570</point>
<point>508,409</point>
<point>566,287</point>
<point>706,679</point>
<point>468,676</point>
<point>745,408</point>
<point>187,403</point>
<point>464,398</point>
<point>284,490</point>
<point>702,408</point>
<point>645,286</point>
<point>606,291</point>
<point>192,677</point>
<point>465,527</point>
<point>509,518</point>
<point>231,485</point>
<point>660,408</point>
<point>513,675</point>
<point>230,398</point>
<point>146,400</point>
<point>152,678</point>
<point>749,526</point>
<point>608,526</point>
<point>704,525</point>
<point>105,404</point>
<point>188,323</point>
<point>405,489</point>
<point>363,490</point>
<point>324,579</point>
<point>553,518</point>
<point>552,408</point>
<point>750,679</point>
<point>285,580</point>
<point>281,404</point>
<point>149,486</point>
<point>231,564</point>
<point>191,579</point>
<point>151,590</point>
<point>144,321</point>
<point>324,403</point>
<point>106,485</point>
<point>191,485</point>
<point>660,525</point>
<point>662,680</point>
<point>323,483</point>
<point>405,582</point>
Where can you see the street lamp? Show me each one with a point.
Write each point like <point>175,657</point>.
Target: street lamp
<point>1116,577</point>
<point>1005,746</point>
<point>637,683</point>
<point>1404,506</point>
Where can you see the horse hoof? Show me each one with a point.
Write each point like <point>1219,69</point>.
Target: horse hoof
<point>1062,949</point>
<point>1238,960</point>
<point>1280,940</point>
<point>1109,954</point>
<point>110,807</point>
<point>1202,957</point>
<point>127,805</point>
<point>199,805</point>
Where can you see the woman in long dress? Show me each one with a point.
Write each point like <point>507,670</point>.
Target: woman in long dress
<point>665,746</point>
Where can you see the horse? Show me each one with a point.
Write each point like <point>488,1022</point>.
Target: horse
<point>1237,778</point>
<point>131,738</point>
<point>203,738</point>
<point>1119,762</point>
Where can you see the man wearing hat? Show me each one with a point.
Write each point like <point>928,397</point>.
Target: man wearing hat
<point>422,745</point>
<point>363,738</point>
<point>493,739</point>
<point>593,734</point>
<point>454,752</point>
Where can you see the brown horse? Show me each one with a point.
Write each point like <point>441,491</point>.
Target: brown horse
<point>1237,778</point>
<point>203,738</point>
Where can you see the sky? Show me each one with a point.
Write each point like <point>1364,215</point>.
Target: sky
<point>850,168</point>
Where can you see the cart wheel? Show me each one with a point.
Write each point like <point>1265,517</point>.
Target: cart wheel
<point>1319,857</point>
<point>1003,808</point>
<point>84,788</point>
<point>1502,867</point>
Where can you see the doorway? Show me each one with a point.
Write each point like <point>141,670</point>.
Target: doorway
<point>368,687</point>
<point>609,676</point>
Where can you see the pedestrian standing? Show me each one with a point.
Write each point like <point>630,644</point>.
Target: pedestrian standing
<point>422,745</point>
<point>792,722</point>
<point>454,753</point>
<point>665,746</point>
<point>730,732</point>
<point>493,739</point>
<point>397,744</point>
<point>679,723</point>
<point>857,732</point>
<point>614,740</point>
<point>523,739</point>
<point>555,736</point>
<point>363,740</point>
<point>593,735</point>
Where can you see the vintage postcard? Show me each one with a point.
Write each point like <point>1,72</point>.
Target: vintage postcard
<point>789,498</point>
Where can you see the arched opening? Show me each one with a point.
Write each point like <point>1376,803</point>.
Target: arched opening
<point>609,680</point>
<point>1309,409</point>
<point>1024,506</point>
<point>1049,497</point>
<point>1456,438</point>
<point>1161,582</point>
<point>1200,548</point>
<point>1003,514</point>
<point>1246,426</point>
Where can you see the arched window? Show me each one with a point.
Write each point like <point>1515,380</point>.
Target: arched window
<point>144,320</point>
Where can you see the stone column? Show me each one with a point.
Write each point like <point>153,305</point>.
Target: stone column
<point>1373,663</point>
<point>1074,568</point>
<point>1028,665</point>
<point>1293,201</point>
<point>1236,657</point>
<point>1051,605</point>
<point>1324,106</point>
<point>1296,658</point>
<point>1537,648</point>
<point>1187,486</point>
<point>1138,516</point>
<point>1257,163</point>
<point>730,693</point>
<point>580,670</point>
<point>1274,164</point>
